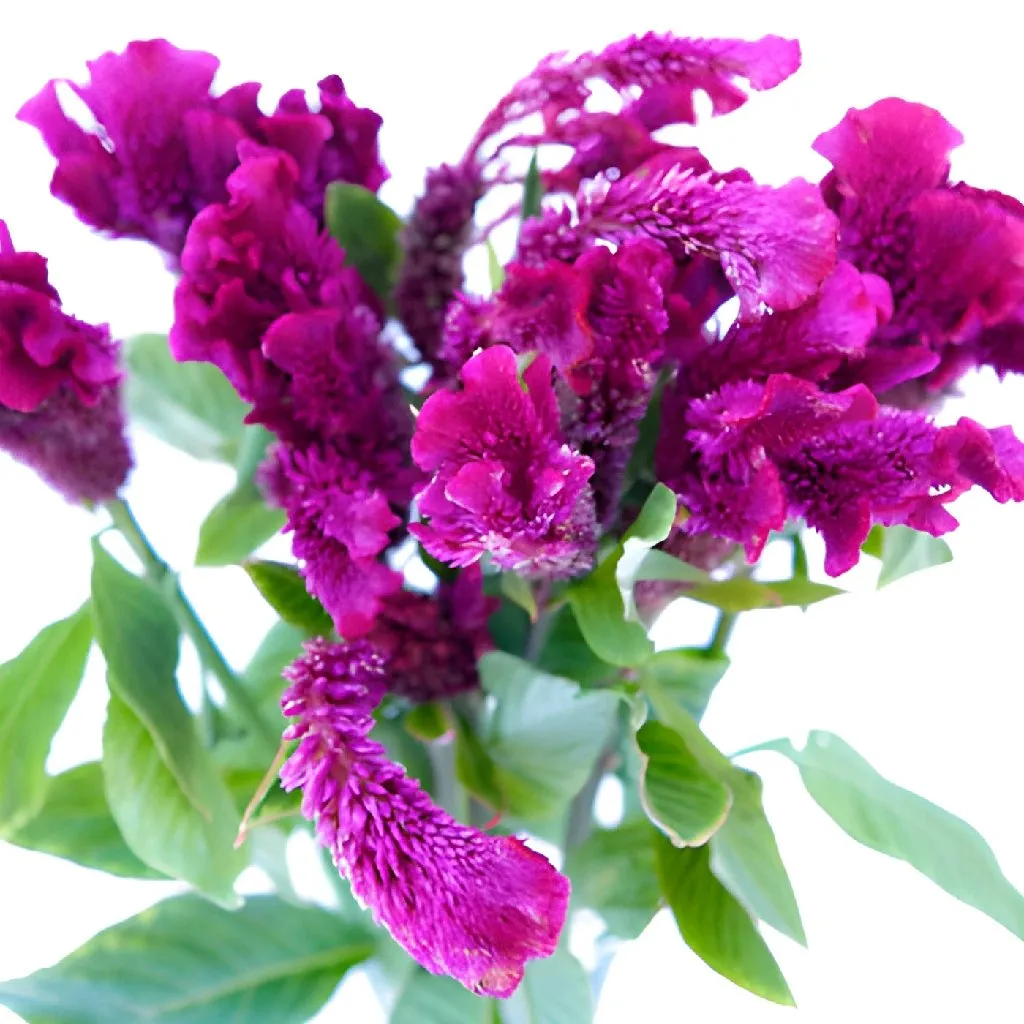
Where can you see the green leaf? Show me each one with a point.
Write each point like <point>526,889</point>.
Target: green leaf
<point>544,734</point>
<point>236,526</point>
<point>495,271</point>
<point>279,648</point>
<point>679,795</point>
<point>189,405</point>
<point>519,592</point>
<point>474,767</point>
<point>75,823</point>
<point>557,991</point>
<point>612,872</point>
<point>651,527</point>
<point>164,828</point>
<point>565,653</point>
<point>686,676</point>
<point>401,747</point>
<point>714,924</point>
<point>533,190</point>
<point>286,593</point>
<point>906,551</point>
<point>187,962</point>
<point>509,627</point>
<point>36,690</point>
<point>874,543</point>
<point>435,999</point>
<point>745,859</point>
<point>368,232</point>
<point>427,722</point>
<point>596,601</point>
<point>894,821</point>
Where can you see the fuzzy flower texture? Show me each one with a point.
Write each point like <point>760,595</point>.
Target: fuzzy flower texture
<point>859,303</point>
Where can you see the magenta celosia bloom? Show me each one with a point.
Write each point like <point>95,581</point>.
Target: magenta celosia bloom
<point>953,255</point>
<point>434,241</point>
<point>775,245</point>
<point>750,456</point>
<point>432,642</point>
<point>340,522</point>
<point>503,480</point>
<point>460,902</point>
<point>248,262</point>
<point>165,145</point>
<point>60,403</point>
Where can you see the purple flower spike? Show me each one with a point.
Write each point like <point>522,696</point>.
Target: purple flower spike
<point>504,482</point>
<point>775,245</point>
<point>460,902</point>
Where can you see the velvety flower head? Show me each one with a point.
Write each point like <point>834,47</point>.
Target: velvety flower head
<point>750,456</point>
<point>162,152</point>
<point>432,642</point>
<point>460,902</point>
<point>60,405</point>
<point>164,145</point>
<point>775,245</point>
<point>434,242</point>
<point>952,255</point>
<point>503,480</point>
<point>42,349</point>
<point>248,262</point>
<point>340,522</point>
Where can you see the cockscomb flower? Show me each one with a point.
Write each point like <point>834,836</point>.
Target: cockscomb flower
<point>60,405</point>
<point>432,642</point>
<point>503,480</point>
<point>775,245</point>
<point>460,902</point>
<point>340,522</point>
<point>750,456</point>
<point>248,262</point>
<point>952,255</point>
<point>164,145</point>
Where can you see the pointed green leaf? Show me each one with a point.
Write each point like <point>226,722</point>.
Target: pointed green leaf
<point>368,232</point>
<point>474,767</point>
<point>612,872</point>
<point>185,961</point>
<point>36,690</point>
<point>565,653</point>
<point>189,405</point>
<point>75,823</point>
<point>236,526</point>
<point>519,592</point>
<point>279,648</point>
<point>533,190</point>
<point>652,526</point>
<point>544,733</point>
<point>435,999</point>
<point>286,593</point>
<point>894,821</point>
<point>906,551</point>
<point>714,924</point>
<point>171,833</point>
<point>745,859</point>
<point>427,722</point>
<point>679,795</point>
<point>596,601</point>
<point>556,990</point>
<point>685,676</point>
<point>495,271</point>
<point>874,543</point>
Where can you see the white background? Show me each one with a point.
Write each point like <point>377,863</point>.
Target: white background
<point>924,679</point>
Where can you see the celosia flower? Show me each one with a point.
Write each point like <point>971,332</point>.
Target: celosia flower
<point>164,146</point>
<point>340,522</point>
<point>953,255</point>
<point>750,455</point>
<point>432,642</point>
<point>503,480</point>
<point>60,409</point>
<point>775,245</point>
<point>434,242</point>
<point>248,262</point>
<point>460,902</point>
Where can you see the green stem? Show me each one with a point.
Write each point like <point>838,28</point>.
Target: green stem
<point>159,572</point>
<point>723,631</point>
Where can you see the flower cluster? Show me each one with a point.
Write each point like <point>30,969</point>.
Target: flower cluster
<point>165,145</point>
<point>459,901</point>
<point>60,402</point>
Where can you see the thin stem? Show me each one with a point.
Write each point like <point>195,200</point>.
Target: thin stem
<point>581,810</point>
<point>539,629</point>
<point>210,657</point>
<point>723,631</point>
